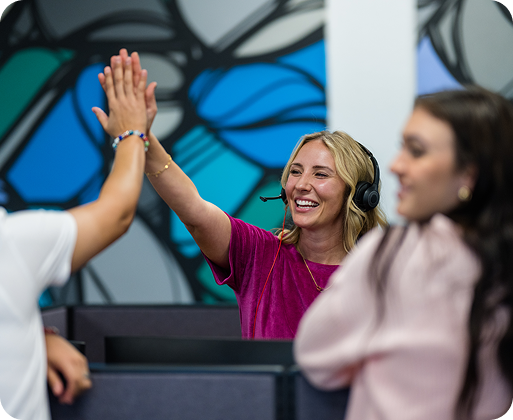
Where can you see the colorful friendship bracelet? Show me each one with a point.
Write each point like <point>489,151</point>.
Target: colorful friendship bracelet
<point>128,133</point>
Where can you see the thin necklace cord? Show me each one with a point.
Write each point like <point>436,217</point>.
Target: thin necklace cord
<point>319,288</point>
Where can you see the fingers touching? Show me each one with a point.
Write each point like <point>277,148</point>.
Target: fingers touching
<point>127,106</point>
<point>123,55</point>
<point>151,103</point>
<point>124,83</point>
<point>136,67</point>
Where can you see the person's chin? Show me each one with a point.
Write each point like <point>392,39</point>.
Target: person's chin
<point>302,220</point>
<point>405,212</point>
<point>411,216</point>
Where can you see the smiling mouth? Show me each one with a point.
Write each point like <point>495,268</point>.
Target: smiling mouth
<point>304,204</point>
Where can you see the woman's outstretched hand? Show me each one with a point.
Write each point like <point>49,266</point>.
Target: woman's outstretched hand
<point>149,92</point>
<point>127,102</point>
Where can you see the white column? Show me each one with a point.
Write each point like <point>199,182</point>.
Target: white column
<point>371,58</point>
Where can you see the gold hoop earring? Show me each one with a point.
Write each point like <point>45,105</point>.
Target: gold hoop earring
<point>464,194</point>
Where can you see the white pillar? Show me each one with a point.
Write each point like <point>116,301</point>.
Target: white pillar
<point>371,56</point>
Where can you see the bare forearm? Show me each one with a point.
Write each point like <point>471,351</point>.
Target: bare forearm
<point>103,221</point>
<point>173,185</point>
<point>207,223</point>
<point>123,185</point>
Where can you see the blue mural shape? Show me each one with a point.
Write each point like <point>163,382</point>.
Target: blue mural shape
<point>302,59</point>
<point>281,102</point>
<point>59,165</point>
<point>432,75</point>
<point>88,93</point>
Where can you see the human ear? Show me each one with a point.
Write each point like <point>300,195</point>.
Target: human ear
<point>469,176</point>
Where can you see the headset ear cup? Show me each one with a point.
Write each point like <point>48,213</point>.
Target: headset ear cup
<point>359,195</point>
<point>371,197</point>
<point>366,195</point>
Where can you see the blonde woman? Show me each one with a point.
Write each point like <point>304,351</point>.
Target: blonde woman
<point>275,281</point>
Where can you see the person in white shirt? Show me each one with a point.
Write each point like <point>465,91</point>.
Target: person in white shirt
<point>39,248</point>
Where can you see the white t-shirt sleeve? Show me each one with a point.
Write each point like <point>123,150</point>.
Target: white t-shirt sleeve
<point>45,240</point>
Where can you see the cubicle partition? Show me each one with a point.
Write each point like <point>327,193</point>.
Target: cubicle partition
<point>92,324</point>
<point>185,362</point>
<point>182,393</point>
<point>313,404</point>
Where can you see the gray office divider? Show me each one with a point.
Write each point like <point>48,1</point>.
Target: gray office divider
<point>92,324</point>
<point>182,392</point>
<point>167,393</point>
<point>313,404</point>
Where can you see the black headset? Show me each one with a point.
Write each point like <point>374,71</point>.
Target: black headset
<point>366,195</point>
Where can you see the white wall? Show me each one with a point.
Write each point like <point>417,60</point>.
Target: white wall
<point>372,76</point>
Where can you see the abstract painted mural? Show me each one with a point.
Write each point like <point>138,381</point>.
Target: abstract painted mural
<point>464,42</point>
<point>239,82</point>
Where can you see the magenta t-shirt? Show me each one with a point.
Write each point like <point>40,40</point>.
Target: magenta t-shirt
<point>289,291</point>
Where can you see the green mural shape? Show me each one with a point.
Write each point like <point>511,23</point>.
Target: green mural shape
<point>22,77</point>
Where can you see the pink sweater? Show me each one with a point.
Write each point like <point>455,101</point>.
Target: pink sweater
<point>412,365</point>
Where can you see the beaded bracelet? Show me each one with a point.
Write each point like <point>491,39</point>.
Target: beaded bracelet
<point>156,174</point>
<point>128,133</point>
<point>51,330</point>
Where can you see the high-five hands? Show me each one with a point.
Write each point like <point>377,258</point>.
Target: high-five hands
<point>137,75</point>
<point>127,103</point>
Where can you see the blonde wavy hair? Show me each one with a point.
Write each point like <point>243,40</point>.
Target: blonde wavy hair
<point>352,165</point>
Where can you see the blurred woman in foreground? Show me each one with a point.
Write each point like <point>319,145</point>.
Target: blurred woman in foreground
<point>418,321</point>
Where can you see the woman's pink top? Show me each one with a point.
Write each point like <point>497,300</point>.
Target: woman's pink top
<point>410,364</point>
<point>289,291</point>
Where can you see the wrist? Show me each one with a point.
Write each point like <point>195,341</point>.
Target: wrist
<point>157,173</point>
<point>51,330</point>
<point>157,156</point>
<point>129,133</point>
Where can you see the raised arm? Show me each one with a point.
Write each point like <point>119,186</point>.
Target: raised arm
<point>103,221</point>
<point>208,224</point>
